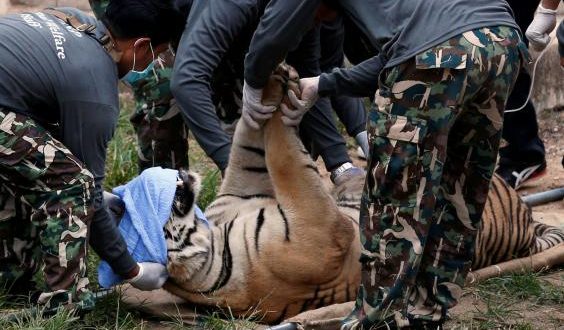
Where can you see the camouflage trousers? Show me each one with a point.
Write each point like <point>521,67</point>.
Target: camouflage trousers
<point>434,135</point>
<point>45,211</point>
<point>162,135</point>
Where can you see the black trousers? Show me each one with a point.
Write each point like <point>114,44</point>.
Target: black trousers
<point>319,133</point>
<point>520,129</point>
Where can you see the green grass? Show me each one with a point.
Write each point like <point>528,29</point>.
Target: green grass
<point>121,162</point>
<point>527,286</point>
<point>506,301</point>
<point>210,186</point>
<point>110,313</point>
<point>63,320</point>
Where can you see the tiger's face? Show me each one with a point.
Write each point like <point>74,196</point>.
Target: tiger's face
<point>187,236</point>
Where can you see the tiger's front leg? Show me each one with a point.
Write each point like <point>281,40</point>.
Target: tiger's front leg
<point>247,175</point>
<point>307,204</point>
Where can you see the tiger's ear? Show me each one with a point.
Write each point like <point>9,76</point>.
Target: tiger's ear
<point>187,192</point>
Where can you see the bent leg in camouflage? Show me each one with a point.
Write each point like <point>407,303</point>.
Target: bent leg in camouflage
<point>19,245</point>
<point>161,133</point>
<point>41,175</point>
<point>434,136</point>
<point>99,7</point>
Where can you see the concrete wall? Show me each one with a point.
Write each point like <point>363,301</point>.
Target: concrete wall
<point>549,85</point>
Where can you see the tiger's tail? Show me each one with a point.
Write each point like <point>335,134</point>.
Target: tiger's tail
<point>546,237</point>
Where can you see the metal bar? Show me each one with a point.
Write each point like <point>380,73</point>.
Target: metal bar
<point>544,197</point>
<point>285,326</point>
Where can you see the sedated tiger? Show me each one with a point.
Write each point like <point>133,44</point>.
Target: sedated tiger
<point>280,243</point>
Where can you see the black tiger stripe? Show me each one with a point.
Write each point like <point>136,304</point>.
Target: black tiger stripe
<point>309,302</point>
<point>333,292</point>
<point>255,169</point>
<point>282,316</point>
<point>212,253</point>
<point>348,295</point>
<point>508,248</point>
<point>260,222</point>
<point>496,248</point>
<point>529,240</point>
<point>316,293</point>
<point>520,235</point>
<point>313,167</point>
<point>168,235</point>
<point>286,225</point>
<point>320,303</point>
<point>304,306</point>
<point>487,241</point>
<point>181,229</point>
<point>506,233</point>
<point>246,242</point>
<point>187,239</point>
<point>257,151</point>
<point>246,196</point>
<point>227,261</point>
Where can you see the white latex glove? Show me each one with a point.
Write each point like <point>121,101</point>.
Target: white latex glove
<point>254,111</point>
<point>151,276</point>
<point>309,88</point>
<point>539,30</point>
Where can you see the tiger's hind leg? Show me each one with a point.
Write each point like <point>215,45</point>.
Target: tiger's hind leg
<point>508,229</point>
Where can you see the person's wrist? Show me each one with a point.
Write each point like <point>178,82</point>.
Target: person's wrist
<point>549,4</point>
<point>132,273</point>
<point>547,9</point>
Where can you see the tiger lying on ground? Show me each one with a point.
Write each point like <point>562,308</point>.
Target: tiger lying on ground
<point>279,242</point>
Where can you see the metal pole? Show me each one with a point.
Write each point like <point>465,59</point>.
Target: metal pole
<point>285,326</point>
<point>544,197</point>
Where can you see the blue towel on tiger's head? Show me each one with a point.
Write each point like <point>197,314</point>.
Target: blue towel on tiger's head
<point>148,202</point>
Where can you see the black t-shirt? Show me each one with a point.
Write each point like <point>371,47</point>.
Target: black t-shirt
<point>66,82</point>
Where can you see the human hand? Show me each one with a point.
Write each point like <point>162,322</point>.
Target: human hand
<point>254,112</point>
<point>539,30</point>
<point>309,88</point>
<point>151,276</point>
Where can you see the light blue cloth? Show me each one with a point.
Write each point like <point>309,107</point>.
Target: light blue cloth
<point>148,203</point>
